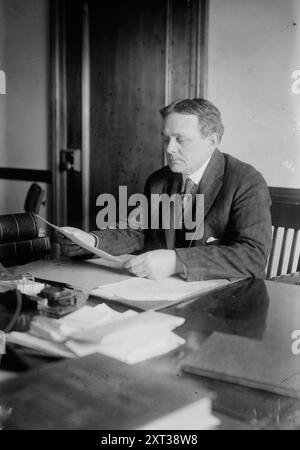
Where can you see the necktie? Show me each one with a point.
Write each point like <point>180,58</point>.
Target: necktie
<point>189,188</point>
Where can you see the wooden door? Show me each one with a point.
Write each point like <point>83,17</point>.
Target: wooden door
<point>116,64</point>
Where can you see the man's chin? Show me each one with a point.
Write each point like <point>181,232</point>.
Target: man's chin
<point>177,168</point>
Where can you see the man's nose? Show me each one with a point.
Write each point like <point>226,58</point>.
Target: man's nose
<point>171,147</point>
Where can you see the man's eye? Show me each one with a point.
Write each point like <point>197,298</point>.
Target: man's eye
<point>180,140</point>
<point>166,140</point>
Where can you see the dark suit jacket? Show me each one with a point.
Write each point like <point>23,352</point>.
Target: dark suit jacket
<point>236,213</point>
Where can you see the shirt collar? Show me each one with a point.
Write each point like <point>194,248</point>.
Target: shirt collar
<point>197,175</point>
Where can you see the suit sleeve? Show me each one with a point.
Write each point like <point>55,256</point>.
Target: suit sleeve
<point>244,248</point>
<point>118,241</point>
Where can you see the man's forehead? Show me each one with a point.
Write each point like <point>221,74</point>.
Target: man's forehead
<point>179,123</point>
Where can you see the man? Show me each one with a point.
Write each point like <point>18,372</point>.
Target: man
<point>237,224</point>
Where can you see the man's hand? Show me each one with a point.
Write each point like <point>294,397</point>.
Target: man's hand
<point>155,264</point>
<point>68,248</point>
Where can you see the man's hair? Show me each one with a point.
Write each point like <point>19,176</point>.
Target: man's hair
<point>209,116</point>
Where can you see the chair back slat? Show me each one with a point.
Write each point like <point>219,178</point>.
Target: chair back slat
<point>293,251</point>
<point>271,257</point>
<point>285,211</point>
<point>282,252</point>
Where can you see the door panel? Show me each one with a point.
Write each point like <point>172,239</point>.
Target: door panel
<point>74,18</point>
<point>127,85</point>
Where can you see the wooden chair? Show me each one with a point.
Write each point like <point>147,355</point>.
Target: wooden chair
<point>34,198</point>
<point>285,210</point>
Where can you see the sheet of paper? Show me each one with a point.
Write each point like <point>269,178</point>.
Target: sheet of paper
<point>133,350</point>
<point>169,289</point>
<point>196,416</point>
<point>74,238</point>
<point>48,336</point>
<point>44,346</point>
<point>81,321</point>
<point>129,337</point>
<point>133,326</point>
<point>86,274</point>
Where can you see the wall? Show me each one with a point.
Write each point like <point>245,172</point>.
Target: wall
<point>24,56</point>
<point>2,97</point>
<point>254,46</point>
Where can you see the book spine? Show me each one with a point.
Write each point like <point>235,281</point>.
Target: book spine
<point>18,227</point>
<point>24,248</point>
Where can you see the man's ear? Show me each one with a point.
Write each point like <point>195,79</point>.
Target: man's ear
<point>213,140</point>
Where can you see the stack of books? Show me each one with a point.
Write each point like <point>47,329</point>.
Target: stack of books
<point>20,237</point>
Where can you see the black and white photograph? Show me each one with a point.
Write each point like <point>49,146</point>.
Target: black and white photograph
<point>149,218</point>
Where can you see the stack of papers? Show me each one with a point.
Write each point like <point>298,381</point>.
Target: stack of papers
<point>108,280</point>
<point>129,337</point>
<point>155,294</point>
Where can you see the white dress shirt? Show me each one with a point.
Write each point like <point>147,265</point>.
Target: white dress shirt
<point>196,176</point>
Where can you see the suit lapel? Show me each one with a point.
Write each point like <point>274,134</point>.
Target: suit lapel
<point>212,180</point>
<point>211,184</point>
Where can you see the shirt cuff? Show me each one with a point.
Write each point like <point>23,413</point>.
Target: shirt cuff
<point>96,243</point>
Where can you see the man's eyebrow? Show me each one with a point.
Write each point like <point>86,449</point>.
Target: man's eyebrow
<point>174,134</point>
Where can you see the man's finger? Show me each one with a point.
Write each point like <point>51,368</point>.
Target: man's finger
<point>136,267</point>
<point>74,252</point>
<point>68,248</point>
<point>138,273</point>
<point>134,262</point>
<point>60,234</point>
<point>69,244</point>
<point>63,238</point>
<point>141,275</point>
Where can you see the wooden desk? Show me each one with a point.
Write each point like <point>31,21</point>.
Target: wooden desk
<point>258,309</point>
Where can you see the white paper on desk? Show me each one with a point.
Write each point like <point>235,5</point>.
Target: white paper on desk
<point>87,274</point>
<point>168,289</point>
<point>43,346</point>
<point>48,336</point>
<point>196,416</point>
<point>137,326</point>
<point>132,350</point>
<point>76,240</point>
<point>80,321</point>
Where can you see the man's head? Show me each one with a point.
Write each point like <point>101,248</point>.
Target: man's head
<point>192,129</point>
